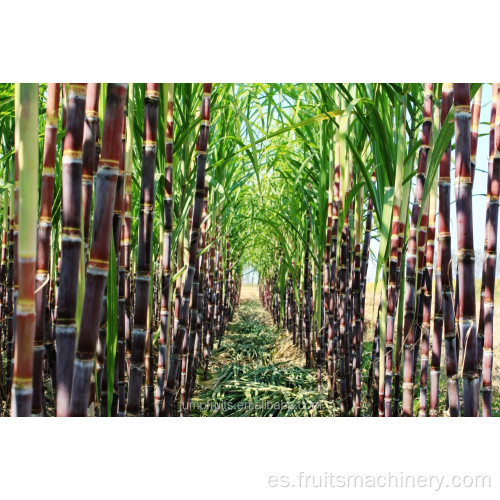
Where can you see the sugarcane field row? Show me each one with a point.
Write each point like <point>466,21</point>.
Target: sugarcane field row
<point>249,249</point>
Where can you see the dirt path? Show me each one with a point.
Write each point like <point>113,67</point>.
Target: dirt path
<point>258,372</point>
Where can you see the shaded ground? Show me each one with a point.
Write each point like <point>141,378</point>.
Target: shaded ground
<point>258,372</point>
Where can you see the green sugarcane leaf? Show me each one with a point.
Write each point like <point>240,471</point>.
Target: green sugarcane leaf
<point>112,323</point>
<point>385,231</point>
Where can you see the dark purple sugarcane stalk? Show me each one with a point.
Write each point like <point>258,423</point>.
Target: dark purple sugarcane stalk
<point>127,231</point>
<point>374,369</point>
<point>163,356</point>
<point>102,373</point>
<point>437,338</point>
<point>198,342</point>
<point>444,241</point>
<point>143,274</point>
<point>50,330</point>
<point>208,323</point>
<point>43,248</point>
<point>480,328</point>
<point>307,297</point>
<point>183,327</point>
<point>356,329</point>
<point>409,326</point>
<point>119,319</point>
<point>476,112</point>
<point>9,351</point>
<point>3,290</point>
<point>465,242</point>
<point>124,263</point>
<point>224,270</point>
<point>426,295</point>
<point>186,380</point>
<point>329,279</point>
<point>421,332</point>
<point>227,285</point>
<point>71,242</point>
<point>97,269</point>
<point>474,129</point>
<point>427,302</point>
<point>399,331</point>
<point>218,291</point>
<point>102,354</point>
<point>89,157</point>
<point>343,283</point>
<point>300,309</point>
<point>334,284</point>
<point>444,238</point>
<point>392,302</point>
<point>349,307</point>
<point>149,410</point>
<point>91,150</point>
<point>15,226</point>
<point>382,359</point>
<point>491,260</point>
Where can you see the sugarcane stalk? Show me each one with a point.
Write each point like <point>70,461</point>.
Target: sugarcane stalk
<point>97,269</point>
<point>343,278</point>
<point>307,297</point>
<point>3,288</point>
<point>446,273</point>
<point>119,355</point>
<point>329,274</point>
<point>373,370</point>
<point>15,232</point>
<point>167,249</point>
<point>198,344</point>
<point>208,322</point>
<point>44,240</point>
<point>401,275</point>
<point>443,240</point>
<point>27,153</point>
<point>474,129</point>
<point>71,241</point>
<point>143,275</point>
<point>364,267</point>
<point>465,242</point>
<point>9,347</point>
<point>178,361</point>
<point>334,283</point>
<point>392,293</point>
<point>480,328</point>
<point>427,299</point>
<point>89,156</point>
<point>148,370</point>
<point>426,295</point>
<point>125,256</point>
<point>409,327</point>
<point>491,260</point>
